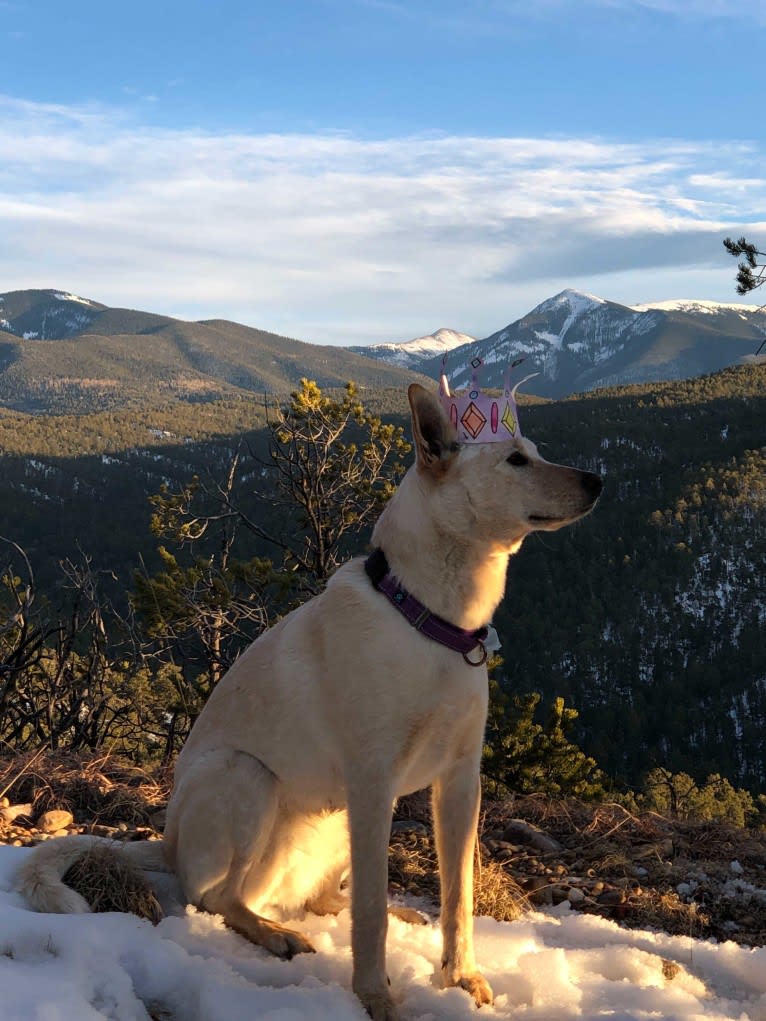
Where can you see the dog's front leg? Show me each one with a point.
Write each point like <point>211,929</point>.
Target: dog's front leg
<point>369,810</point>
<point>456,814</point>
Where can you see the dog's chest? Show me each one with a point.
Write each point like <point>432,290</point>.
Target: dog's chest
<point>433,736</point>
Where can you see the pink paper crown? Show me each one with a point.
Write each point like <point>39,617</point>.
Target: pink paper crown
<point>478,417</point>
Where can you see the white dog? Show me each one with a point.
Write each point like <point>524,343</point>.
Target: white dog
<point>355,698</point>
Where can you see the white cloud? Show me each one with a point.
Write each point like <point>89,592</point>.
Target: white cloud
<point>329,237</point>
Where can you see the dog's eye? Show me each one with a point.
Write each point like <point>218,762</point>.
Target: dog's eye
<point>517,459</point>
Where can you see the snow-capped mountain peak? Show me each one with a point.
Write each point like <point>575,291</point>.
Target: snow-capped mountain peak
<point>576,301</point>
<point>418,349</point>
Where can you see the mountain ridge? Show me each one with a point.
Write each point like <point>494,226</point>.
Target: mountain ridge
<point>577,342</point>
<point>60,352</point>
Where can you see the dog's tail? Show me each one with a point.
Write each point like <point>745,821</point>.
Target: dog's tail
<point>40,878</point>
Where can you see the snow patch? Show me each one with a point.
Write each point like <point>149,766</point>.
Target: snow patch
<point>66,296</point>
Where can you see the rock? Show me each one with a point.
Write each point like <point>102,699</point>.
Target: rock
<point>11,812</point>
<point>520,832</point>
<point>54,819</point>
<point>503,851</point>
<point>99,830</point>
<point>409,826</point>
<point>406,914</point>
<point>538,890</point>
<point>575,895</point>
<point>559,894</point>
<point>611,898</point>
<point>492,835</point>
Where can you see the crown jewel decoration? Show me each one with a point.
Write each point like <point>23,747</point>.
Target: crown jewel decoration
<point>478,417</point>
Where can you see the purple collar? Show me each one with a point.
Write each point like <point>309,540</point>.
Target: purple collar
<point>419,616</point>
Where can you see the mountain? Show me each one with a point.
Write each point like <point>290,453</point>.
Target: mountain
<point>60,352</point>
<point>412,353</point>
<point>578,342</point>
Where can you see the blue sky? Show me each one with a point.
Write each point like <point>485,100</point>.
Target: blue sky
<point>362,170</point>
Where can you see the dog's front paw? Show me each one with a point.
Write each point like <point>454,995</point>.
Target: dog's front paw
<point>379,1005</point>
<point>478,987</point>
<point>285,943</point>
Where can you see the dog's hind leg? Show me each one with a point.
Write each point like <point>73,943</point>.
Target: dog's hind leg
<point>220,835</point>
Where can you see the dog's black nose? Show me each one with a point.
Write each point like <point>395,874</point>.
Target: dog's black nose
<point>592,484</point>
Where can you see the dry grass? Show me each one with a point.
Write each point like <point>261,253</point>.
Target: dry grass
<point>665,910</point>
<point>102,789</point>
<point>413,869</point>
<point>497,894</point>
<point>110,882</point>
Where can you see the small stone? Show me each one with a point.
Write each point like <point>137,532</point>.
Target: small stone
<point>503,851</point>
<point>559,894</point>
<point>4,803</point>
<point>99,830</point>
<point>406,826</point>
<point>10,812</point>
<point>538,890</point>
<point>575,895</point>
<point>611,898</point>
<point>520,832</point>
<point>55,820</point>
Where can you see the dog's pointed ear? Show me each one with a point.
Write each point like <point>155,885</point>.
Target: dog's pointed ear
<point>436,441</point>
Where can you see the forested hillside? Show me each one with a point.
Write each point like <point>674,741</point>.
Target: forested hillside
<point>63,354</point>
<point>649,616</point>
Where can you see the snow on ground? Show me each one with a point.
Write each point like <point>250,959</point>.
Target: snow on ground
<point>550,966</point>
